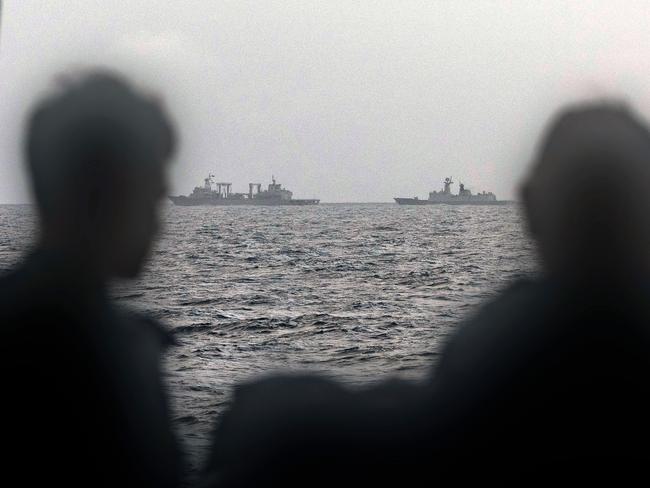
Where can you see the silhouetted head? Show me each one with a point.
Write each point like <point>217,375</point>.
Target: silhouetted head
<point>588,195</point>
<point>97,151</point>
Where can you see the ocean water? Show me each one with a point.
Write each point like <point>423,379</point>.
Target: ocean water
<point>355,291</point>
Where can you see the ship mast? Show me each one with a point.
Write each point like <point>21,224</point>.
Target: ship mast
<point>448,183</point>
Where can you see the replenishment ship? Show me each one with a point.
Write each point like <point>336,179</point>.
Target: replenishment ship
<point>444,196</point>
<point>222,195</point>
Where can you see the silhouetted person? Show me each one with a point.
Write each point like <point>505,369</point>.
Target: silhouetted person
<point>550,382</point>
<point>553,377</point>
<point>83,402</point>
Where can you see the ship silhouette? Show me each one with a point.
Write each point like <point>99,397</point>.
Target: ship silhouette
<point>445,196</point>
<point>222,195</point>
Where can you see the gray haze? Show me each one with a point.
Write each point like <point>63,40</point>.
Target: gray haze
<point>340,100</point>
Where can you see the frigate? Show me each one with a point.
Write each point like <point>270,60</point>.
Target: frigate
<point>445,196</point>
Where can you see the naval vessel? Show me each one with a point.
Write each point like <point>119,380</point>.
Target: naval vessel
<point>445,196</point>
<point>222,195</point>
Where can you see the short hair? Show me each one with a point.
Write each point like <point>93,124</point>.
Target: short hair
<point>594,130</point>
<point>92,124</point>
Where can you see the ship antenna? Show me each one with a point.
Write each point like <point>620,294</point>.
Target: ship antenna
<point>0,16</point>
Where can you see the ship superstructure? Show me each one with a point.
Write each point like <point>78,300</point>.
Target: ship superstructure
<point>223,195</point>
<point>464,197</point>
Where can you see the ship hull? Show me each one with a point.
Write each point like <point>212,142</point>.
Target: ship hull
<point>417,201</point>
<point>227,202</point>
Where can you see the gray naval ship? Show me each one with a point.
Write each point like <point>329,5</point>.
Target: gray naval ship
<point>222,195</point>
<point>445,196</point>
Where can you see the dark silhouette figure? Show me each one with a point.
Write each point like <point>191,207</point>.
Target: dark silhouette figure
<point>552,377</point>
<point>83,402</point>
<point>550,382</point>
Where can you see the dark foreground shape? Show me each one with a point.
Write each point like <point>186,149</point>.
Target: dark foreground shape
<point>311,431</point>
<point>83,396</point>
<point>548,382</point>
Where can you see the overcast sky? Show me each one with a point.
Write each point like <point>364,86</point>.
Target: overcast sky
<point>340,100</point>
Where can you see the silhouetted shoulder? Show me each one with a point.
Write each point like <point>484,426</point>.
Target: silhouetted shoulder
<point>93,360</point>
<point>280,428</point>
<point>266,406</point>
<point>498,327</point>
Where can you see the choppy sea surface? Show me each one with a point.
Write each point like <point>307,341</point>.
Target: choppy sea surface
<point>356,291</point>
